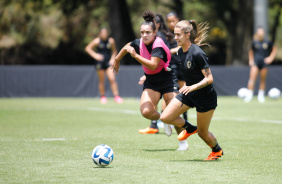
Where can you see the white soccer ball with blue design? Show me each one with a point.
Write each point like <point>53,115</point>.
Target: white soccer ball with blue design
<point>102,155</point>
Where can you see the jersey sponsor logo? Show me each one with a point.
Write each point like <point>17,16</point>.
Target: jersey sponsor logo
<point>189,64</point>
<point>265,46</point>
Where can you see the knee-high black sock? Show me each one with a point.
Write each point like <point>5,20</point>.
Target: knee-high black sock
<point>189,127</point>
<point>185,116</point>
<point>154,124</point>
<point>217,148</point>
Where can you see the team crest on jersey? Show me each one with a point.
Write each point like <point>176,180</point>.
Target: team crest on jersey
<point>265,46</point>
<point>109,45</point>
<point>189,64</point>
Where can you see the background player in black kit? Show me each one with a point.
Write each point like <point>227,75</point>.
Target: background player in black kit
<point>261,55</point>
<point>198,91</point>
<point>104,55</point>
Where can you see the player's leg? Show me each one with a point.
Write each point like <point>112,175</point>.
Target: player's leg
<point>251,83</point>
<point>181,84</point>
<point>261,92</point>
<point>148,104</point>
<point>113,84</point>
<point>101,85</point>
<point>203,123</point>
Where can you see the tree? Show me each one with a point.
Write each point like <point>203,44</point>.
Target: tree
<point>121,27</point>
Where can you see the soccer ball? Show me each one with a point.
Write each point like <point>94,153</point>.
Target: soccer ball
<point>102,155</point>
<point>274,93</point>
<point>242,92</point>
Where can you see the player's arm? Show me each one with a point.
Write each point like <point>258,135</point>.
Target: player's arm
<point>271,57</point>
<point>89,49</point>
<point>251,57</point>
<point>119,56</point>
<point>207,80</point>
<point>175,50</point>
<point>114,50</point>
<point>151,64</point>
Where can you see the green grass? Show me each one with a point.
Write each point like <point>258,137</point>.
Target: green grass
<point>250,134</point>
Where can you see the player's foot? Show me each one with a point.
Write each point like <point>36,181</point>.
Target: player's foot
<point>184,135</point>
<point>248,97</point>
<point>183,146</point>
<point>118,99</point>
<point>149,130</point>
<point>214,155</point>
<point>261,98</point>
<point>167,129</point>
<point>103,100</point>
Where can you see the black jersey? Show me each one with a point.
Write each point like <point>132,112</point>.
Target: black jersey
<point>105,48</point>
<point>156,52</point>
<point>192,62</point>
<point>261,49</point>
<point>163,37</point>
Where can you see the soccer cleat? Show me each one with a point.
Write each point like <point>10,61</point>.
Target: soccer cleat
<point>183,146</point>
<point>184,135</point>
<point>214,155</point>
<point>261,98</point>
<point>149,130</point>
<point>167,129</point>
<point>103,100</point>
<point>118,99</point>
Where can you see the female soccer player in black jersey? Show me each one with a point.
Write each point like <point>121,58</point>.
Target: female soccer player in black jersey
<point>104,55</point>
<point>261,55</point>
<point>198,91</point>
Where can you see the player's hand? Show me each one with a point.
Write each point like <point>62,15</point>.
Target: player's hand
<point>268,60</point>
<point>251,63</point>
<point>131,51</point>
<point>187,89</point>
<point>99,57</point>
<point>142,80</point>
<point>115,66</point>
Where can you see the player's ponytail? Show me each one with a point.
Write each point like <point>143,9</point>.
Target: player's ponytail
<point>198,33</point>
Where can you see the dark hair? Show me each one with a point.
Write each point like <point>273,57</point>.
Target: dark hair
<point>172,14</point>
<point>163,29</point>
<point>149,19</point>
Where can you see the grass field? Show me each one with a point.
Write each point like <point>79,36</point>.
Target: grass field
<point>50,140</point>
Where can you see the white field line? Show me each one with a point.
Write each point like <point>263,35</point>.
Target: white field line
<point>127,111</point>
<point>53,139</point>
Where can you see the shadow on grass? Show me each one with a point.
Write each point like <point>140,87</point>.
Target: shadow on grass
<point>102,167</point>
<point>196,160</point>
<point>156,150</point>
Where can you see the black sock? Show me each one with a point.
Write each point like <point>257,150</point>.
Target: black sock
<point>189,127</point>
<point>154,124</point>
<point>185,116</point>
<point>217,148</point>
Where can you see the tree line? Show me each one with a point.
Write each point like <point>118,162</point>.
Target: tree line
<point>55,32</point>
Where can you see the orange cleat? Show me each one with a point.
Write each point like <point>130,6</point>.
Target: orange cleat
<point>214,155</point>
<point>118,99</point>
<point>184,135</point>
<point>149,130</point>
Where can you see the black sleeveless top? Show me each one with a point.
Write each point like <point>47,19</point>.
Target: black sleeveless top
<point>105,48</point>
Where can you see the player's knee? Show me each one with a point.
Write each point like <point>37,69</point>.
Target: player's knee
<point>147,113</point>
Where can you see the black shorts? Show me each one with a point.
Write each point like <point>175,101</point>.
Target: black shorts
<point>203,103</point>
<point>260,64</point>
<point>167,84</point>
<point>103,65</point>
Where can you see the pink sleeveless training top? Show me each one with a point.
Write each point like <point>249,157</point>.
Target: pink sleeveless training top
<point>145,53</point>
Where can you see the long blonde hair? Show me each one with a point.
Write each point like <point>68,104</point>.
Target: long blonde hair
<point>198,33</point>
